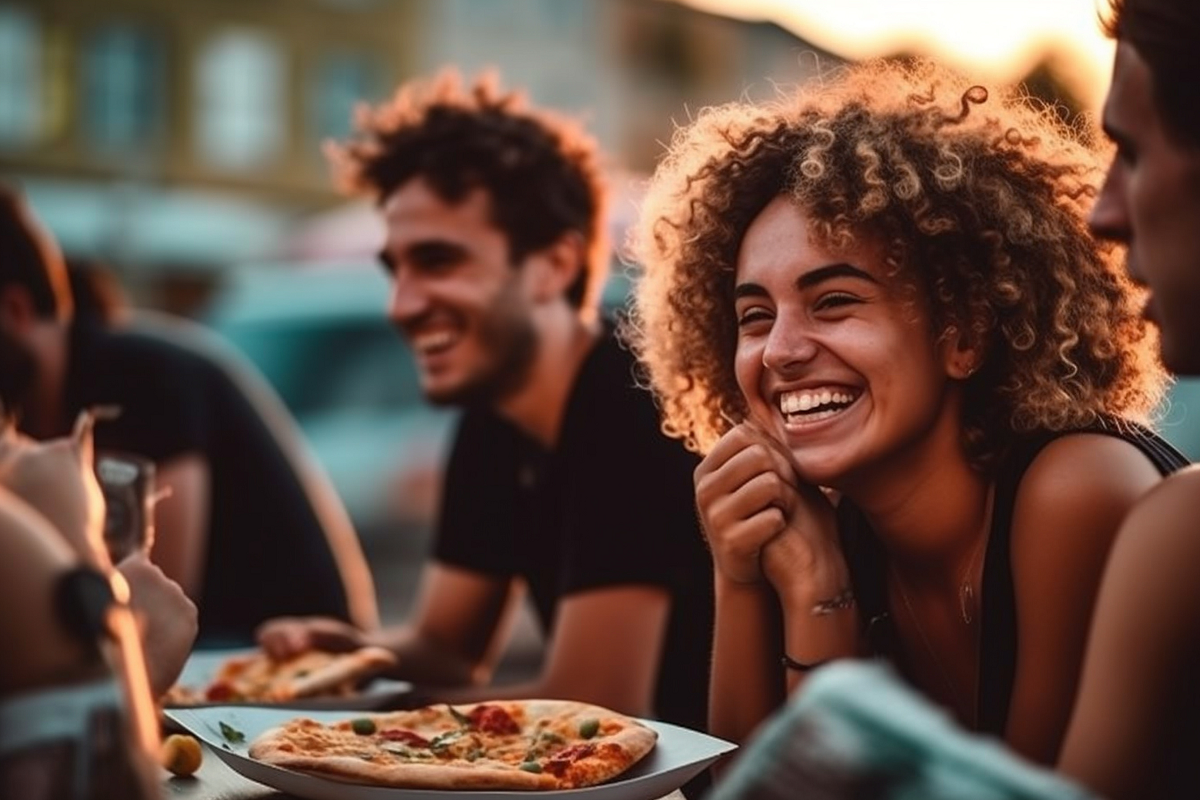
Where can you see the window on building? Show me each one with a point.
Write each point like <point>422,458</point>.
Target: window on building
<point>21,91</point>
<point>123,76</point>
<point>241,96</point>
<point>341,81</point>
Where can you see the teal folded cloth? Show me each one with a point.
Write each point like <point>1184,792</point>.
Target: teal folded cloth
<point>857,731</point>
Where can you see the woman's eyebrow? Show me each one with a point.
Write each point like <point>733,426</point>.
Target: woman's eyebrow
<point>840,270</point>
<point>748,290</point>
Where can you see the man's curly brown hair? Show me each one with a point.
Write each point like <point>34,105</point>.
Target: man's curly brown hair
<point>980,199</point>
<point>541,171</point>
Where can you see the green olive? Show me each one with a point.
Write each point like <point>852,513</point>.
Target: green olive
<point>589,728</point>
<point>531,766</point>
<point>363,726</point>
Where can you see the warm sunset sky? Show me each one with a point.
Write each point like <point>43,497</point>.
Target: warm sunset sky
<point>996,40</point>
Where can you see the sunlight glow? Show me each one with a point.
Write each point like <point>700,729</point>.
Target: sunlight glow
<point>997,40</point>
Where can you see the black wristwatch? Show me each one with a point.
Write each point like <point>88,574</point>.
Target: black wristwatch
<point>82,599</point>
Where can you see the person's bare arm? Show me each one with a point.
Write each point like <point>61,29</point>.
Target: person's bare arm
<point>776,556</point>
<point>747,681</point>
<point>181,520</point>
<point>451,639</point>
<point>605,649</point>
<point>38,650</point>
<point>1068,509</point>
<point>1134,713</point>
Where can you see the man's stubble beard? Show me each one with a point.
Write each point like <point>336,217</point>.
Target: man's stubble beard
<point>510,342</point>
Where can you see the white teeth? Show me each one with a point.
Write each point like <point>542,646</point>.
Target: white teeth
<point>804,401</point>
<point>432,341</point>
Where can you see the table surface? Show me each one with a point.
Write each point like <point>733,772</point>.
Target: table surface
<point>216,781</point>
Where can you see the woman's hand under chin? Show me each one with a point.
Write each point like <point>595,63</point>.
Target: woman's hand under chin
<point>761,522</point>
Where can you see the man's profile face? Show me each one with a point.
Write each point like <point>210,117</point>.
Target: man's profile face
<point>1151,203</point>
<point>456,297</point>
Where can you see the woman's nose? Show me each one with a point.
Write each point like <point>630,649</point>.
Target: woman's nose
<point>790,345</point>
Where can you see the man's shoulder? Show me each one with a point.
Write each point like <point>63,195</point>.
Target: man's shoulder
<point>124,347</point>
<point>609,385</point>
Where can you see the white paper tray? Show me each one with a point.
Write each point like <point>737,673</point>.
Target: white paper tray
<point>679,755</point>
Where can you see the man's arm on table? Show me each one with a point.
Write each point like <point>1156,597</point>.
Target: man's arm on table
<point>451,639</point>
<point>605,649</point>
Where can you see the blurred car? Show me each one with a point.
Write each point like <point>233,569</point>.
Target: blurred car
<point>320,336</point>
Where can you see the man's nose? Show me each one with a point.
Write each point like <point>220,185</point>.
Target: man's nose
<point>1109,218</point>
<point>408,299</point>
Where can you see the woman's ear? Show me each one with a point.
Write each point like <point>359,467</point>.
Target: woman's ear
<point>961,353</point>
<point>555,267</point>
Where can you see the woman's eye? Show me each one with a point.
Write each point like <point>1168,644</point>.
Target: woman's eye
<point>752,315</point>
<point>834,300</point>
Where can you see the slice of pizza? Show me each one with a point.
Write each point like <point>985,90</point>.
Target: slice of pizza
<point>500,745</point>
<point>258,677</point>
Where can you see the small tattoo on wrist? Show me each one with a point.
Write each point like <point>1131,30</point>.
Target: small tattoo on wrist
<point>842,600</point>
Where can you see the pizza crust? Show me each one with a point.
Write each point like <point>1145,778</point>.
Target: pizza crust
<point>408,775</point>
<point>518,745</point>
<point>346,668</point>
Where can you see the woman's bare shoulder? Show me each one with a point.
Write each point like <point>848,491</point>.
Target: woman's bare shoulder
<point>1089,463</point>
<point>1081,480</point>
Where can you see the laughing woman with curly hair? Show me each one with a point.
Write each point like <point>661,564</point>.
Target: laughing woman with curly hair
<point>919,385</point>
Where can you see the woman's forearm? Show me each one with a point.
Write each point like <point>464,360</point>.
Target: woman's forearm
<point>747,681</point>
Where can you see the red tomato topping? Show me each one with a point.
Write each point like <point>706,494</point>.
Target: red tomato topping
<point>492,719</point>
<point>407,737</point>
<point>219,691</point>
<point>558,763</point>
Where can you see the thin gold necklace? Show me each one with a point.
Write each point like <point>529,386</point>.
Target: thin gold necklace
<point>951,686</point>
<point>966,604</point>
<point>966,592</point>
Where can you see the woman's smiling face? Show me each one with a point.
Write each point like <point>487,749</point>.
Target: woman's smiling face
<point>835,354</point>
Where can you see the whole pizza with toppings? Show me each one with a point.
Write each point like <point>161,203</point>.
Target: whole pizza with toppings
<point>510,744</point>
<point>258,677</point>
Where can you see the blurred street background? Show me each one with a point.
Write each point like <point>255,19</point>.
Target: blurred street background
<point>179,143</point>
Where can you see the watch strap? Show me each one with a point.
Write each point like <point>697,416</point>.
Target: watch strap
<point>82,599</point>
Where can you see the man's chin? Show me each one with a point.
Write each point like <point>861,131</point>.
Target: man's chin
<point>471,395</point>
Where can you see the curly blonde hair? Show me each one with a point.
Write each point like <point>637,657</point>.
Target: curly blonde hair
<point>980,197</point>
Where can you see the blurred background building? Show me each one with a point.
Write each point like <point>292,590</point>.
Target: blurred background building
<point>179,141</point>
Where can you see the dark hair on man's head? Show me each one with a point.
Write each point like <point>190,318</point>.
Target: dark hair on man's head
<point>541,171</point>
<point>30,259</point>
<point>1165,34</point>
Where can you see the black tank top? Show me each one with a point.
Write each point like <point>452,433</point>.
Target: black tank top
<point>998,636</point>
